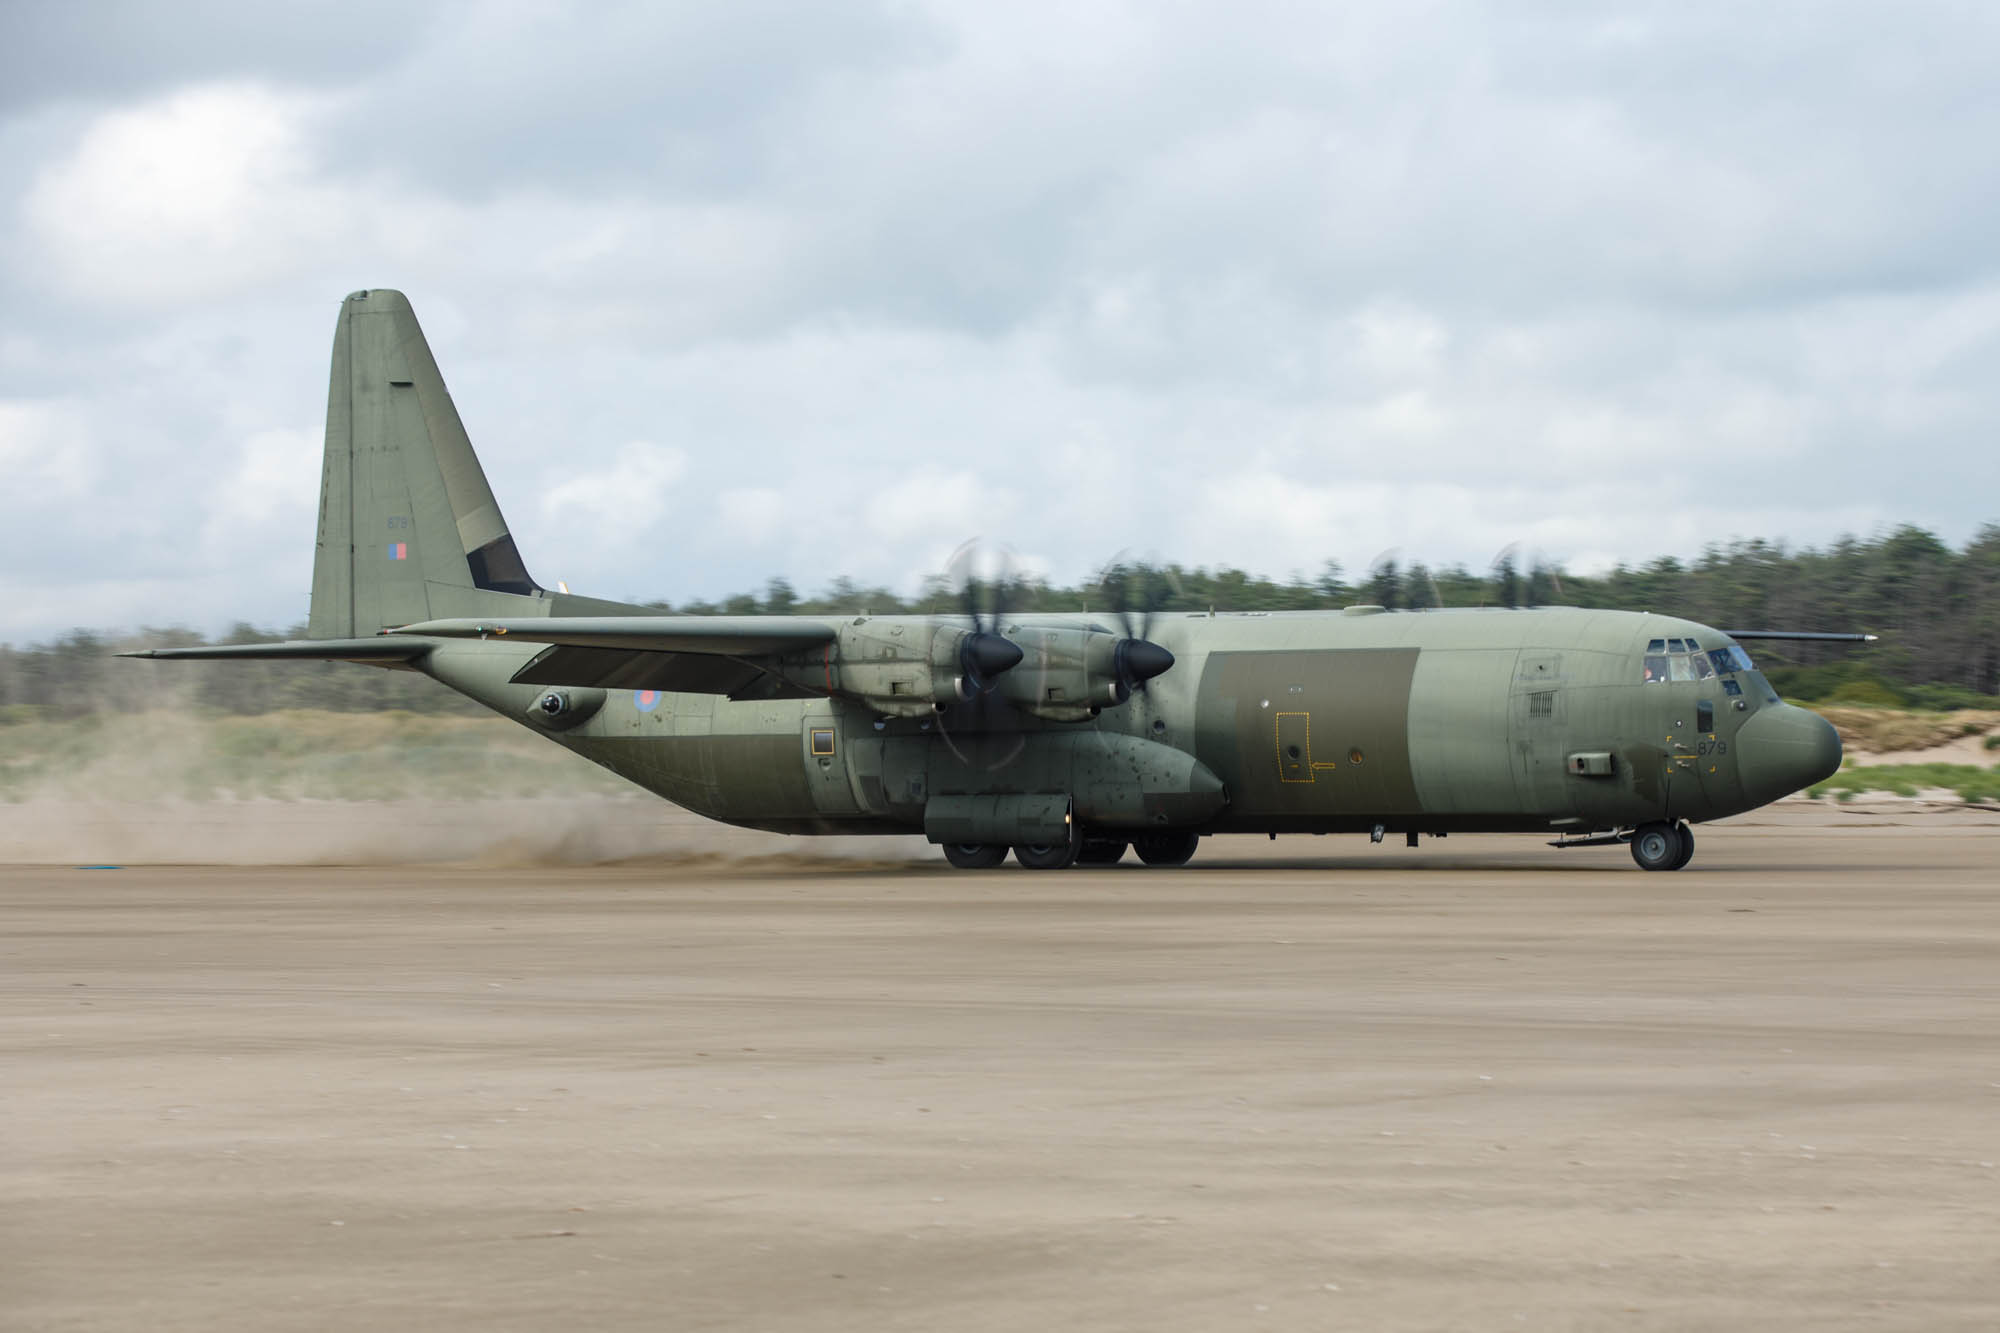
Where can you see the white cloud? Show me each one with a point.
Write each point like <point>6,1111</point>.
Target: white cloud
<point>730,297</point>
<point>46,453</point>
<point>269,494</point>
<point>205,193</point>
<point>604,509</point>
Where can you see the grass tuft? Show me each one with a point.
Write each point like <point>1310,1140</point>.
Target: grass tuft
<point>1974,785</point>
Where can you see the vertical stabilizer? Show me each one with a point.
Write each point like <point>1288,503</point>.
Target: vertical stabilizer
<point>408,527</point>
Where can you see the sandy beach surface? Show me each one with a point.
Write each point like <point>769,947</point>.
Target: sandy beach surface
<point>1310,1083</point>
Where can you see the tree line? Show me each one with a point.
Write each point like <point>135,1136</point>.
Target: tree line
<point>1936,609</point>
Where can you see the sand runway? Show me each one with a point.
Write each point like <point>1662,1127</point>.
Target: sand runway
<point>1310,1084</point>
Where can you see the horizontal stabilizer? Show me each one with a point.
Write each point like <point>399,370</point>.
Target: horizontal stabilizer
<point>378,648</point>
<point>728,636</point>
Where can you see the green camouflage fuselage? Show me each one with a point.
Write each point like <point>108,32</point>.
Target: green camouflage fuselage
<point>1310,721</point>
<point>984,736</point>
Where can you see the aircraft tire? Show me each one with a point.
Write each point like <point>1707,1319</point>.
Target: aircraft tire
<point>975,855</point>
<point>1101,851</point>
<point>1166,849</point>
<point>1048,856</point>
<point>1687,846</point>
<point>1657,846</point>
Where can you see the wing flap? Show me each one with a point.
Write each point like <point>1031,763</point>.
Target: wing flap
<point>642,669</point>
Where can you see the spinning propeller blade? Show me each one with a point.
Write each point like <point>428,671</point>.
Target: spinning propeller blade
<point>1137,593</point>
<point>986,653</point>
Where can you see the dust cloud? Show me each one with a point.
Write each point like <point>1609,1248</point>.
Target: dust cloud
<point>510,832</point>
<point>316,788</point>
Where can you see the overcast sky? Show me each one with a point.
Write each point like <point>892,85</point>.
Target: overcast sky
<point>728,291</point>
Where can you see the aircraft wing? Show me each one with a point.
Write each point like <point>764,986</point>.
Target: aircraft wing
<point>686,654</point>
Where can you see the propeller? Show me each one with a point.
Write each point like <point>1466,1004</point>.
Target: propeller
<point>981,731</point>
<point>983,597</point>
<point>1137,593</point>
<point>1385,580</point>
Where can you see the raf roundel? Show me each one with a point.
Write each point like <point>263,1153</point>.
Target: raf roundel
<point>646,700</point>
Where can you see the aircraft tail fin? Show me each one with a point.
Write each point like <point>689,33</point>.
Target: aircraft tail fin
<point>408,527</point>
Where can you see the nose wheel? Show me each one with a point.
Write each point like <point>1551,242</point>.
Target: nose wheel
<point>1662,846</point>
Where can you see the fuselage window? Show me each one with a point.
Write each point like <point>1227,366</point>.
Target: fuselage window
<point>1730,687</point>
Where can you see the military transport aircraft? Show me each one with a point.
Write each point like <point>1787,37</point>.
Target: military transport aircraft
<point>1063,737</point>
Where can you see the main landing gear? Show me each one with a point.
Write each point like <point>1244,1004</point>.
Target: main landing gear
<point>1155,849</point>
<point>975,855</point>
<point>1662,846</point>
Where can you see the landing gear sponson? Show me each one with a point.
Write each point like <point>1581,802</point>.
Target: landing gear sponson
<point>1165,849</point>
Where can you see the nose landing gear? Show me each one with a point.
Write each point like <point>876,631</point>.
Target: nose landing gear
<point>1662,846</point>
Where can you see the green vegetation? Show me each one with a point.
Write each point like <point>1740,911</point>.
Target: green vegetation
<point>1973,784</point>
<point>1937,610</point>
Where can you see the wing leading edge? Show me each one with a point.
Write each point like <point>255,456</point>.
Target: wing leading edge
<point>684,654</point>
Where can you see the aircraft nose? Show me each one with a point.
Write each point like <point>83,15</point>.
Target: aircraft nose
<point>1783,748</point>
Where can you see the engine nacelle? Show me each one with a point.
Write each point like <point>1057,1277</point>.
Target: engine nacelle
<point>1068,675</point>
<point>1065,675</point>
<point>905,666</point>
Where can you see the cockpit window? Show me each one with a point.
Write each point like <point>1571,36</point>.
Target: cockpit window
<point>1731,658</point>
<point>1683,659</point>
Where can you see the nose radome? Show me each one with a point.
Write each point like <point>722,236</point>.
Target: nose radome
<point>1783,748</point>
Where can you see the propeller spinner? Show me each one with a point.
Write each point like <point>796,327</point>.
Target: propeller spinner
<point>1137,659</point>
